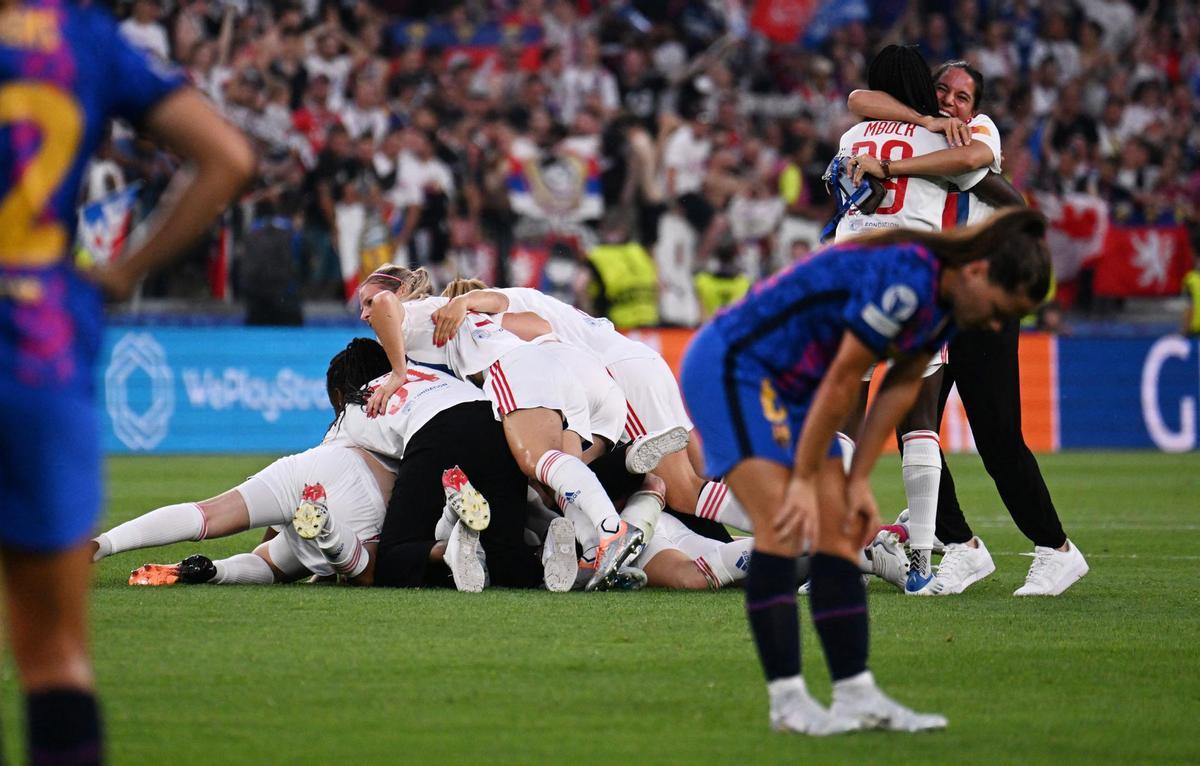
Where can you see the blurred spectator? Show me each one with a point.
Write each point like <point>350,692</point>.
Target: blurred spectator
<point>724,283</point>
<point>143,30</point>
<point>625,283</point>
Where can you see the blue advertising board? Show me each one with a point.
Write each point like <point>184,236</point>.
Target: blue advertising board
<point>216,389</point>
<point>1129,392</point>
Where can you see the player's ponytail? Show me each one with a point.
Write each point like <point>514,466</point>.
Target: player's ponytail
<point>410,284</point>
<point>1013,242</point>
<point>463,286</point>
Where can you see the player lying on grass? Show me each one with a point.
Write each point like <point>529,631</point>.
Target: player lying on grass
<point>651,391</point>
<point>769,381</point>
<point>544,412</point>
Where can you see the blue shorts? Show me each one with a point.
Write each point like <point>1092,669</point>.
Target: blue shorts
<point>736,409</point>
<point>49,467</point>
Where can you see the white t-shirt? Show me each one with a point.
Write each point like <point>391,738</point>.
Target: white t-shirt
<point>983,129</point>
<point>911,202</point>
<point>414,176</point>
<point>427,393</point>
<point>687,155</point>
<point>147,37</point>
<point>336,69</point>
<point>576,327</point>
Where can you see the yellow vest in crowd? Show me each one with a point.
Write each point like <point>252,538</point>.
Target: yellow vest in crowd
<point>1191,287</point>
<point>716,291</point>
<point>630,284</point>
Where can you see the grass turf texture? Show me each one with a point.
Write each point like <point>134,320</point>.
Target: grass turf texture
<point>301,674</point>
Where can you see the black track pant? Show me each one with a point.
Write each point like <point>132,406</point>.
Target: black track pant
<point>986,368</point>
<point>468,436</point>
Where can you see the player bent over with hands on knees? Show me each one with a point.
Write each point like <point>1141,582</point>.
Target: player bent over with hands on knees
<point>769,381</point>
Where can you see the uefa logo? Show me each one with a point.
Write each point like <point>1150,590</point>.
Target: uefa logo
<point>134,353</point>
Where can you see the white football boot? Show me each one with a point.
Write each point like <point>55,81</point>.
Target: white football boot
<point>464,500</point>
<point>961,567</point>
<point>794,711</point>
<point>560,564</point>
<point>886,555</point>
<point>464,556</point>
<point>1053,571</point>
<point>646,451</point>
<point>859,699</point>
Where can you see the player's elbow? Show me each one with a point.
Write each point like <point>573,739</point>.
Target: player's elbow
<point>855,102</point>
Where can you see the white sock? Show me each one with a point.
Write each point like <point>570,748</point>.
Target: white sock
<point>922,471</point>
<point>643,510</point>
<point>575,484</point>
<point>243,569</point>
<point>342,548</point>
<point>445,525</point>
<point>847,445</point>
<point>162,526</point>
<point>726,563</point>
<point>781,690</point>
<point>717,503</point>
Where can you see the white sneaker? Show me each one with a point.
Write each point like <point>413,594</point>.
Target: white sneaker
<point>859,699</point>
<point>794,711</point>
<point>1053,571</point>
<point>961,567</point>
<point>646,451</point>
<point>560,565</point>
<point>887,558</point>
<point>464,556</point>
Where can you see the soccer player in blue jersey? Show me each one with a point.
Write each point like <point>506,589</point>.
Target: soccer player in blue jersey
<point>64,72</point>
<point>769,381</point>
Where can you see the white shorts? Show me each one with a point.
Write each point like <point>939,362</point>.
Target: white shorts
<point>652,393</point>
<point>672,535</point>
<point>333,474</point>
<point>606,403</point>
<point>529,377</point>
<point>939,360</point>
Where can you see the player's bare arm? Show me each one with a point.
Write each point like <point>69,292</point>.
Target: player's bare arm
<point>450,317</point>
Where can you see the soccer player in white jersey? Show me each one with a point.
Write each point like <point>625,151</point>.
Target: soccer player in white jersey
<point>884,148</point>
<point>650,388</point>
<point>344,484</point>
<point>987,378</point>
<point>531,393</point>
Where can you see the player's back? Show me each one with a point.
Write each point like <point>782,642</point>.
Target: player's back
<point>577,327</point>
<point>64,71</point>
<point>911,202</point>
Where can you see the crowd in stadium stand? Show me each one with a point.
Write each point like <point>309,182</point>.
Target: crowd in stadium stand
<point>503,137</point>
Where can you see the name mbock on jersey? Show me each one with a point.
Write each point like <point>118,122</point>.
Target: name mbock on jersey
<point>911,202</point>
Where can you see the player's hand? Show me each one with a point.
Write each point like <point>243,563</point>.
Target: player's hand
<point>957,132</point>
<point>798,516</point>
<point>448,319</point>
<point>117,282</point>
<point>377,404</point>
<point>862,512</point>
<point>864,164</point>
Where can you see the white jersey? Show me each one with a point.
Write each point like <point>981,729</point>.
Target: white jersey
<point>983,129</point>
<point>479,342</point>
<point>576,327</point>
<point>427,393</point>
<point>911,202</point>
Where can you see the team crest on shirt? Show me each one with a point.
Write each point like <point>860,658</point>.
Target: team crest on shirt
<point>775,414</point>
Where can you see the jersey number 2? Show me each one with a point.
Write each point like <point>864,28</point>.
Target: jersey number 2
<point>888,152</point>
<point>24,240</point>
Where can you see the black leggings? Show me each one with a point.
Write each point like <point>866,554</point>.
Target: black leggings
<point>466,435</point>
<point>986,368</point>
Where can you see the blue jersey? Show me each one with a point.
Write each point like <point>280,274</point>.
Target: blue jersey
<point>64,72</point>
<point>790,326</point>
<point>750,375</point>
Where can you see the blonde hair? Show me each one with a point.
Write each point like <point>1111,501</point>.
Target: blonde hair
<point>462,286</point>
<point>416,282</point>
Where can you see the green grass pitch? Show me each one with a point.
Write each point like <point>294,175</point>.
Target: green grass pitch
<point>1107,673</point>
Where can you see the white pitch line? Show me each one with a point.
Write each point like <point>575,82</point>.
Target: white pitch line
<point>1119,525</point>
<point>1148,557</point>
